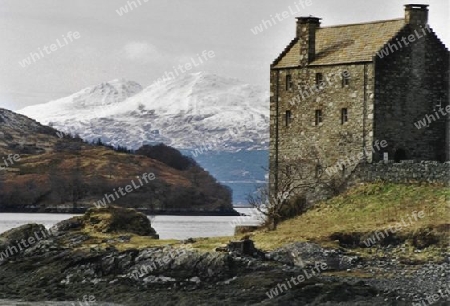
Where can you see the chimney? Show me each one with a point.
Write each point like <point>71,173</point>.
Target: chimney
<point>306,33</point>
<point>416,14</point>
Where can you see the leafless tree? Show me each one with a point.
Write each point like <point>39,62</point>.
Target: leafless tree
<point>77,190</point>
<point>289,183</point>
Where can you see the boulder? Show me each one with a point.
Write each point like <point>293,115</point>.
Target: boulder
<point>74,223</point>
<point>244,247</point>
<point>22,232</point>
<point>17,240</point>
<point>111,220</point>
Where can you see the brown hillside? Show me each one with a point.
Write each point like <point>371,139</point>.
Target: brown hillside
<point>54,171</point>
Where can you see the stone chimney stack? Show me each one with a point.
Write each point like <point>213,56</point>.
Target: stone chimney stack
<point>416,14</point>
<point>306,33</point>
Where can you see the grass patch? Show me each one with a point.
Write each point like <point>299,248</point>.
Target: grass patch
<point>210,244</point>
<point>366,208</point>
<point>363,209</point>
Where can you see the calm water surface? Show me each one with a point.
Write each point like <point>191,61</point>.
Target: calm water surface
<point>168,227</point>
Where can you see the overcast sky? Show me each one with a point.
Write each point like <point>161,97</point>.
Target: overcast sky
<point>149,40</point>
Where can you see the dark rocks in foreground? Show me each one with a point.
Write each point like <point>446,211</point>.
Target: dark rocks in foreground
<point>64,266</point>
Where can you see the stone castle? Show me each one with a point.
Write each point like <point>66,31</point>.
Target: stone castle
<point>373,91</point>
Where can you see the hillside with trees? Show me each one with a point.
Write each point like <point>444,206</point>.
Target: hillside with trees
<point>58,172</point>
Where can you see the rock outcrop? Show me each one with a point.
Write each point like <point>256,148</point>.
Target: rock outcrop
<point>111,219</point>
<point>94,255</point>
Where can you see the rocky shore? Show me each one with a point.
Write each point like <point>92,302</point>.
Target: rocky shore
<point>95,255</point>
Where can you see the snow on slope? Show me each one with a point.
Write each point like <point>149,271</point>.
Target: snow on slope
<point>197,110</point>
<point>84,105</point>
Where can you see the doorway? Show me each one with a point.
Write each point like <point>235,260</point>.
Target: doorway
<point>399,155</point>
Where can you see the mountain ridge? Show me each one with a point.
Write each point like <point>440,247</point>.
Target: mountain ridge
<point>186,112</point>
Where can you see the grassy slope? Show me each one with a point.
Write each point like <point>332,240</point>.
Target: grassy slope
<point>363,209</point>
<point>367,208</point>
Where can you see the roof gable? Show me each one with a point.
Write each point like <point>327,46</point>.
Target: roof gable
<point>344,44</point>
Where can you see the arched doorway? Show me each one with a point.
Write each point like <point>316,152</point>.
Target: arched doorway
<point>399,155</point>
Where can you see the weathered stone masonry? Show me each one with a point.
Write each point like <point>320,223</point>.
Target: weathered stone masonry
<point>408,171</point>
<point>411,83</point>
<point>382,98</point>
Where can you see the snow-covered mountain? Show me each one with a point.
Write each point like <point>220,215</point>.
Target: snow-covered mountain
<point>193,111</point>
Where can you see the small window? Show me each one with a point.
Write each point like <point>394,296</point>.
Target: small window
<point>319,79</point>
<point>288,117</point>
<point>438,104</point>
<point>288,170</point>
<point>399,155</point>
<point>345,78</point>
<point>318,171</point>
<point>318,116</point>
<point>344,115</point>
<point>289,83</point>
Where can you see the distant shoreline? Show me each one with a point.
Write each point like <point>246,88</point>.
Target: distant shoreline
<point>145,211</point>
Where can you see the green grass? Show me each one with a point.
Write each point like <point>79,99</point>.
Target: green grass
<point>364,209</point>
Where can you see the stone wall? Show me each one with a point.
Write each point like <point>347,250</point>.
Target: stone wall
<point>411,86</point>
<point>407,171</point>
<point>333,139</point>
<point>384,99</point>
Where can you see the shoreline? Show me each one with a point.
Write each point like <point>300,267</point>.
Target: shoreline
<point>115,256</point>
<point>232,213</point>
<point>170,274</point>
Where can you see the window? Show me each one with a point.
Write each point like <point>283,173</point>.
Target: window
<point>438,105</point>
<point>289,83</point>
<point>345,78</point>
<point>319,79</point>
<point>318,171</point>
<point>288,170</point>
<point>399,155</point>
<point>318,116</point>
<point>344,115</point>
<point>288,117</point>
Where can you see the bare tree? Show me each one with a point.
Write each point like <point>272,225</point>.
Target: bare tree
<point>290,181</point>
<point>75,183</point>
<point>57,181</point>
